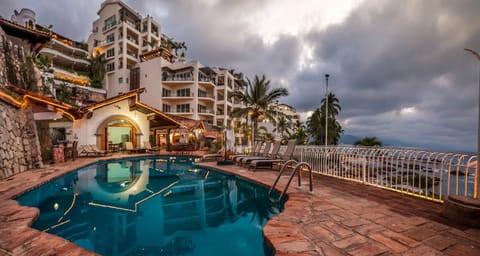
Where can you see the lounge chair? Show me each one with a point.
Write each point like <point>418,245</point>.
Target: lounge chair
<point>85,150</point>
<point>256,150</point>
<point>214,156</point>
<point>130,149</point>
<point>268,163</point>
<point>271,155</point>
<point>99,152</point>
<point>264,153</point>
<point>149,149</point>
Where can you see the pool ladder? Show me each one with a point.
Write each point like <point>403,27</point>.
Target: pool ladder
<point>296,170</point>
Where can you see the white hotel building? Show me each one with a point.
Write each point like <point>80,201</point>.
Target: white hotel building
<point>137,57</point>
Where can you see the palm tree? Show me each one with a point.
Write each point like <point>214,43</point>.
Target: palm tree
<point>183,46</point>
<point>299,135</point>
<point>369,142</point>
<point>334,107</point>
<point>282,126</point>
<point>316,122</point>
<point>257,98</point>
<point>96,70</point>
<point>264,134</point>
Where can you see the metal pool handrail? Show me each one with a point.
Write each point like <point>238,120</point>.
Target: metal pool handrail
<point>296,170</point>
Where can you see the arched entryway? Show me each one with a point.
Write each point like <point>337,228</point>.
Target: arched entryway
<point>115,131</point>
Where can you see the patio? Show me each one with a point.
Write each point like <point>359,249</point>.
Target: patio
<point>338,218</point>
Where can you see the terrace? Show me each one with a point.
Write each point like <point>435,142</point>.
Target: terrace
<point>340,217</point>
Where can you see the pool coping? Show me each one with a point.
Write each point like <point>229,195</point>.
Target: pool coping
<point>333,220</point>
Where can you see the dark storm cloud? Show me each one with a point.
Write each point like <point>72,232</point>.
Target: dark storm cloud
<point>390,55</point>
<point>218,34</point>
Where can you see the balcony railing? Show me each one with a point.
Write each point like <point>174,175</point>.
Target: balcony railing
<point>171,78</point>
<point>185,111</point>
<point>205,111</point>
<point>206,80</point>
<point>134,55</point>
<point>133,40</point>
<point>180,95</point>
<point>427,174</point>
<point>204,95</point>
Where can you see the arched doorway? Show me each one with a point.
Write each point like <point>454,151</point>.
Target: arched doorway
<point>115,131</point>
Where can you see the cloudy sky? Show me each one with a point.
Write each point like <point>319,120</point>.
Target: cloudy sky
<point>397,67</point>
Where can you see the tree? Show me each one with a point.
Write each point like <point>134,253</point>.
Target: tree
<point>264,134</point>
<point>316,122</point>
<point>96,70</point>
<point>257,98</point>
<point>282,126</point>
<point>369,142</point>
<point>299,135</point>
<point>333,105</point>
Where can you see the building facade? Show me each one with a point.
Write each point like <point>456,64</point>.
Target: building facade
<point>63,64</point>
<point>137,55</point>
<point>122,35</point>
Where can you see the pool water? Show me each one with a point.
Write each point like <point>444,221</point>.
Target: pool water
<point>154,206</point>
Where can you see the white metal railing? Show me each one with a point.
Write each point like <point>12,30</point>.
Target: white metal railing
<point>427,174</point>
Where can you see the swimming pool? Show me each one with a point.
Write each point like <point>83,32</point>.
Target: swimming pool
<point>154,206</point>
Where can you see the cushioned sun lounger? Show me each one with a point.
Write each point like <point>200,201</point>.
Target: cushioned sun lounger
<point>263,153</point>
<point>270,155</point>
<point>268,163</point>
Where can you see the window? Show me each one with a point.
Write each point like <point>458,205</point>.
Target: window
<point>183,108</point>
<point>126,80</point>
<point>110,37</point>
<point>202,109</point>
<point>110,52</point>
<point>166,108</point>
<point>110,66</point>
<point>109,22</point>
<point>202,93</point>
<point>120,80</point>
<point>183,92</point>
<point>166,93</point>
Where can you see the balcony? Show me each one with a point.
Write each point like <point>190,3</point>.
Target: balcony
<point>69,48</point>
<point>182,113</point>
<point>206,81</point>
<point>64,59</point>
<point>132,40</point>
<point>223,101</point>
<point>206,112</point>
<point>132,25</point>
<point>132,55</point>
<point>206,97</point>
<point>177,80</point>
<point>174,96</point>
<point>104,43</point>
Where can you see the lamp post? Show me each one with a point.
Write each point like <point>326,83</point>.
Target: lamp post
<point>476,191</point>
<point>326,110</point>
<point>276,119</point>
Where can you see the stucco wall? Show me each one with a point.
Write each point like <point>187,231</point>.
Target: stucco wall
<point>86,129</point>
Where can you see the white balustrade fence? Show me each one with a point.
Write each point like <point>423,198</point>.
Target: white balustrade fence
<point>427,174</point>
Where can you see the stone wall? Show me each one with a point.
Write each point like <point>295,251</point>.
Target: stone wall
<point>19,148</point>
<point>16,64</point>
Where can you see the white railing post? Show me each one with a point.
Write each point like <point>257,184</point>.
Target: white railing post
<point>364,170</point>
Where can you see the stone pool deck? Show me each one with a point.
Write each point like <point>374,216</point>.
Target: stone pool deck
<point>338,218</point>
